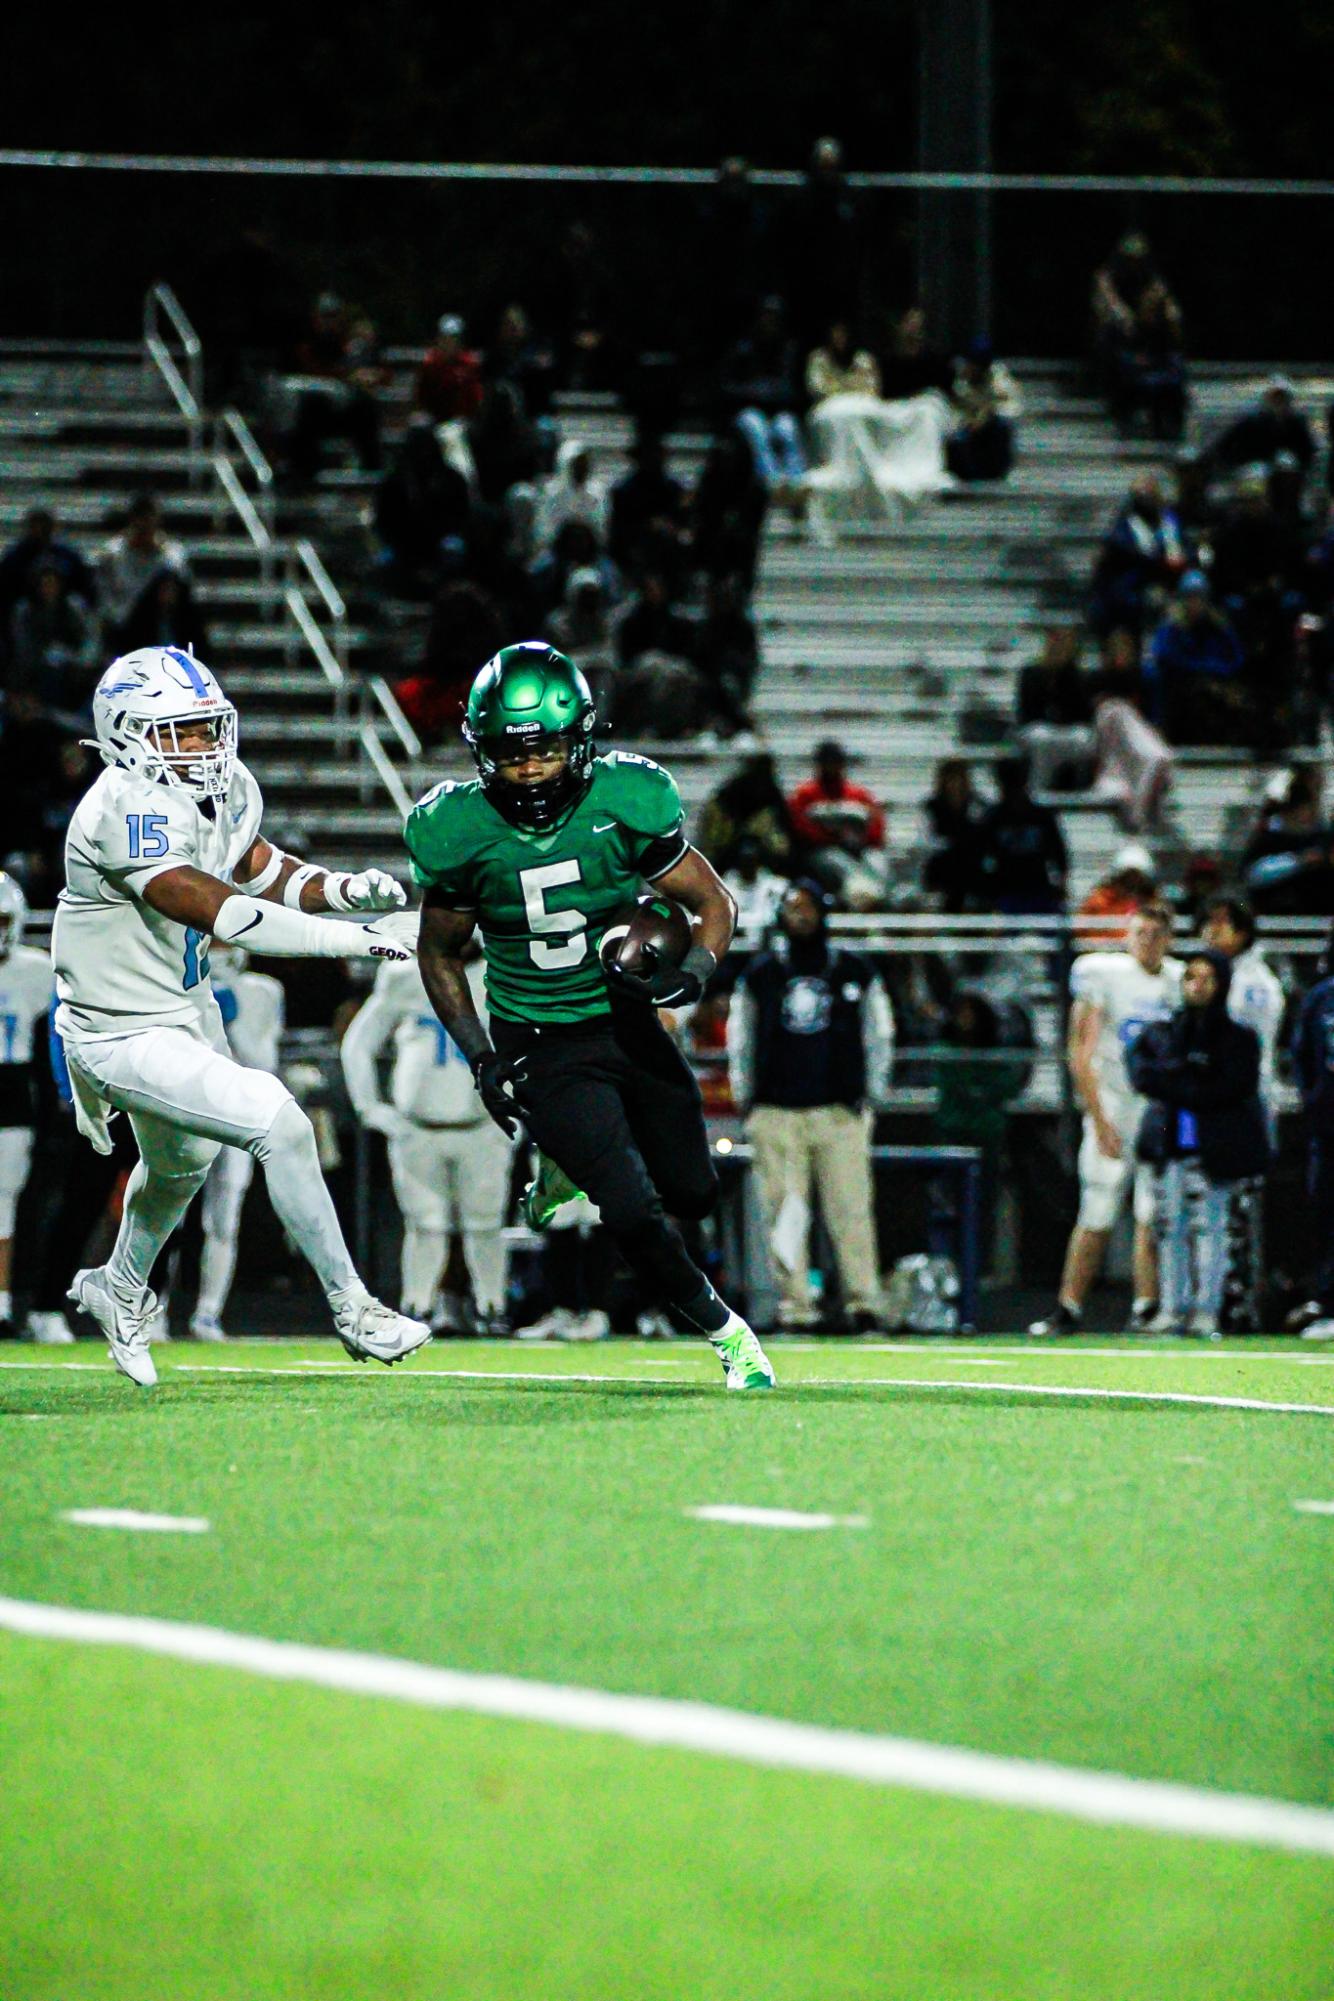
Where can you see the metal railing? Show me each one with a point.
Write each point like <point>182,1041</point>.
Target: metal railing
<point>186,387</point>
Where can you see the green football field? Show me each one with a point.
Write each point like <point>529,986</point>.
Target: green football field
<point>1132,1578</point>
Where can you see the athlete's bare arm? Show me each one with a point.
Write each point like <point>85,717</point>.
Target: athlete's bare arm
<point>1085,1028</point>
<point>313,893</point>
<point>696,883</point>
<point>440,943</point>
<point>188,896</point>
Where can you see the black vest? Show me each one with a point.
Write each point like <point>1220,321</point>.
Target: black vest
<point>808,1026</point>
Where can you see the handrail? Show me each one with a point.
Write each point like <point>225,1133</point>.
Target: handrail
<point>243,437</point>
<point>225,474</point>
<point>331,667</point>
<point>398,722</point>
<point>386,772</point>
<point>187,391</point>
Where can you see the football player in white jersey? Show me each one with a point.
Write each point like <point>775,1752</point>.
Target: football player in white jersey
<point>25,999</point>
<point>450,1162</point>
<point>164,854</point>
<point>1113,995</point>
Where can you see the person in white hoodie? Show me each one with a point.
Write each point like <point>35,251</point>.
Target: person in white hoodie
<point>449,1161</point>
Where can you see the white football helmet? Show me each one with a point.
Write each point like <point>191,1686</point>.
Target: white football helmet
<point>140,706</point>
<point>13,915</point>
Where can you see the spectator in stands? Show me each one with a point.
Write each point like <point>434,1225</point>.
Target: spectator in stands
<point>1145,367</point>
<point>911,366</point>
<point>130,562</point>
<point>466,627</point>
<point>582,627</point>
<point>524,360</point>
<point>728,511</point>
<point>727,650</point>
<point>339,375</point>
<point>573,492</point>
<point>1023,853</point>
<point>1258,569</point>
<point>756,889</point>
<point>749,805</point>
<point>1119,675</point>
<point>449,382</point>
<point>1055,713</point>
<point>838,822</point>
<point>1205,1135</point>
<point>758,387</point>
<point>503,442</point>
<point>1128,886</point>
<point>1288,866</point>
<point>1313,1074</point>
<point>952,818</point>
<point>166,615</point>
<point>1119,286</point>
<point>41,543</point>
<point>52,641</point>
<point>575,548</point>
<point>823,248</point>
<point>580,303</point>
<point>840,368</point>
<point>421,504</point>
<point>1141,558</point>
<point>1197,690</point>
<point>1192,502</point>
<point>987,399</point>
<point>810,1043</point>
<point>1274,424</point>
<point>648,510</point>
<point>1133,761</point>
<point>733,235</point>
<point>658,689</point>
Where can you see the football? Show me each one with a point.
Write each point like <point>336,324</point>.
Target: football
<point>651,919</point>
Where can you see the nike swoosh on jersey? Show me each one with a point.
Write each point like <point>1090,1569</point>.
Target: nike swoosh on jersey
<point>605,829</point>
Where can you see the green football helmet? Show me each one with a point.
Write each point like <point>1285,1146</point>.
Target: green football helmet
<point>529,698</point>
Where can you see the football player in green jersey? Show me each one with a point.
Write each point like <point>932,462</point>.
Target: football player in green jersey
<point>539,852</point>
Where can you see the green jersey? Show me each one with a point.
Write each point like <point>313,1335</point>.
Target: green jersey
<point>542,901</point>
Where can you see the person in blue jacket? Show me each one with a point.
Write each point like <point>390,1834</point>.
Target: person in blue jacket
<point>1313,1074</point>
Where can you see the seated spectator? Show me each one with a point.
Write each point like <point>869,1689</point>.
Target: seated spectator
<point>1288,866</point>
<point>912,367</point>
<point>1258,571</point>
<point>166,615</point>
<point>727,650</point>
<point>502,442</point>
<point>130,562</point>
<point>1132,761</point>
<point>524,360</point>
<point>421,504</point>
<point>840,368</point>
<point>1055,714</point>
<point>1119,286</point>
<point>1145,367</point>
<point>750,805</point>
<point>756,889</point>
<point>1140,561</point>
<point>727,511</point>
<point>1192,499</point>
<point>449,382</point>
<point>466,626</point>
<point>1197,689</point>
<point>987,399</point>
<point>758,388</point>
<point>42,544</point>
<point>53,652</point>
<point>838,823</point>
<point>658,690</point>
<point>583,629</point>
<point>573,492</point>
<point>1128,886</point>
<point>1022,850</point>
<point>338,374</point>
<point>575,548</point>
<point>952,820</point>
<point>648,509</point>
<point>1274,424</point>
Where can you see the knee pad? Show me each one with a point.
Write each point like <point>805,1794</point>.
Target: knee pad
<point>291,1133</point>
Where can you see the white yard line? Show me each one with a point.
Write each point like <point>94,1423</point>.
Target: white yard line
<point>134,1518</point>
<point>1109,1799</point>
<point>1314,1507</point>
<point>1064,1390</point>
<point>774,1518</point>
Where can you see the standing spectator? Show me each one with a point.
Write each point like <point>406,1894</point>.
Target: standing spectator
<point>1113,995</point>
<point>824,247</point>
<point>1055,713</point>
<point>840,368</point>
<point>1204,1133</point>
<point>749,805</point>
<point>1146,370</point>
<point>952,818</point>
<point>733,236</point>
<point>1274,424</point>
<point>1313,1073</point>
<point>836,820</point>
<point>1141,559</point>
<point>810,1041</point>
<point>580,303</point>
<point>522,359</point>
<point>449,382</point>
<point>166,615</point>
<point>728,510</point>
<point>727,650</point>
<point>130,562</point>
<point>1023,853</point>
<point>987,399</point>
<point>1127,887</point>
<point>911,366</point>
<point>41,545</point>
<point>573,492</point>
<point>52,641</point>
<point>975,1084</point>
<point>648,509</point>
<point>758,387</point>
<point>1197,690</point>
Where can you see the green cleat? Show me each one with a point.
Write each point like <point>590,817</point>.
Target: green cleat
<point>549,1191</point>
<point>745,1364</point>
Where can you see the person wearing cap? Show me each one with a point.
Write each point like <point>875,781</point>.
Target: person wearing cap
<point>986,397</point>
<point>1313,1074</point>
<point>1204,1131</point>
<point>1194,670</point>
<point>1129,884</point>
<point>449,381</point>
<point>810,1043</point>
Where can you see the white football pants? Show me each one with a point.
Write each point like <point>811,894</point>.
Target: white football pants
<point>220,1215</point>
<point>448,1178</point>
<point>15,1160</point>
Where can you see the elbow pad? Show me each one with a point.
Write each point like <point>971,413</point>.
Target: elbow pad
<point>271,929</point>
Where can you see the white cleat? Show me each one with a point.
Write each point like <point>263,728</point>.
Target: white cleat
<point>49,1330</point>
<point>206,1327</point>
<point>591,1326</point>
<point>159,1326</point>
<point>553,1326</point>
<point>375,1333</point>
<point>125,1326</point>
<point>745,1364</point>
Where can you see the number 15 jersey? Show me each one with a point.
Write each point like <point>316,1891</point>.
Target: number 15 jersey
<point>120,964</point>
<point>542,901</point>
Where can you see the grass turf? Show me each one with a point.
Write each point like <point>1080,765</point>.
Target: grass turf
<point>1117,1586</point>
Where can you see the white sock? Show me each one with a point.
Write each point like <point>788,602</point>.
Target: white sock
<point>302,1202</point>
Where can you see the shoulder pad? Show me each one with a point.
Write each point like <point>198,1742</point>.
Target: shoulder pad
<point>641,794</point>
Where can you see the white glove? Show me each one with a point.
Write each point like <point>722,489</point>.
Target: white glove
<point>399,929</point>
<point>386,1119</point>
<point>375,889</point>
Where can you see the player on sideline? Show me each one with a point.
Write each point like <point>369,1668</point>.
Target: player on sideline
<point>25,997</point>
<point>1114,995</point>
<point>157,851</point>
<point>539,852</point>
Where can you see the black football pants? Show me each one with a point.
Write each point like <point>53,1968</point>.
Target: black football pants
<point>614,1103</point>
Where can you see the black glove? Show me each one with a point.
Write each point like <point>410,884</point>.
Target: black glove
<point>663,984</point>
<point>500,1080</point>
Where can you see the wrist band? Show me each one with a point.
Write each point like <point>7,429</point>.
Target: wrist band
<point>267,876</point>
<point>334,891</point>
<point>296,882</point>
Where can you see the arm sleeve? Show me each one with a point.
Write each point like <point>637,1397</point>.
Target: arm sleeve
<point>877,1042</point>
<point>741,1047</point>
<point>367,1033</point>
<point>271,929</point>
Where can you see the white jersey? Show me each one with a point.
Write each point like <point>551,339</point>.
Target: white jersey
<point>432,1082</point>
<point>254,1018</point>
<point>26,992</point>
<point>1127,998</point>
<point>1256,999</point>
<point>119,963</point>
